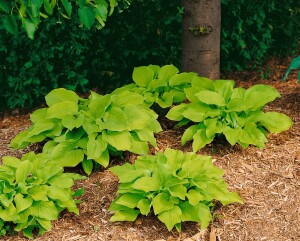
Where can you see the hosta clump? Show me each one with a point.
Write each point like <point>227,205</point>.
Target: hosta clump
<point>178,187</point>
<point>161,85</point>
<point>81,130</point>
<point>33,192</point>
<point>217,108</point>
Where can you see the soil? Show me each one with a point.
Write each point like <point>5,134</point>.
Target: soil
<point>268,180</point>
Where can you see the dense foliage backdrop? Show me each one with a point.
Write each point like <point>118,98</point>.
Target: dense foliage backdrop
<point>64,54</point>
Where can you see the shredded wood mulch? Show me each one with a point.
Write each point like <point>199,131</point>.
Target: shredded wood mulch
<point>267,179</point>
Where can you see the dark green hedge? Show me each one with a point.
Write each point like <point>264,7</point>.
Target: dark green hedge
<point>64,54</point>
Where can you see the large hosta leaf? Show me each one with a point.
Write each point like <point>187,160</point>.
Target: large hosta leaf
<point>259,95</point>
<point>142,76</point>
<point>276,122</point>
<point>120,140</point>
<point>171,217</point>
<point>61,95</point>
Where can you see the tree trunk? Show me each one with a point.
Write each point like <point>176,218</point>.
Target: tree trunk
<point>201,37</point>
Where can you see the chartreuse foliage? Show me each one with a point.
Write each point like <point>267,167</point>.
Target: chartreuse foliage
<point>78,130</point>
<point>33,192</point>
<point>178,187</point>
<point>217,108</point>
<point>30,13</point>
<point>162,85</point>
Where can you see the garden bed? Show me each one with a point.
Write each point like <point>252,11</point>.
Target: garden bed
<point>267,179</point>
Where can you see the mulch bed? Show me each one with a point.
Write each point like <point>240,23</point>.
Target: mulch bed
<point>268,180</point>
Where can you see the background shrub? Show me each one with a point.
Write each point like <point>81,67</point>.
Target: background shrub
<point>64,54</point>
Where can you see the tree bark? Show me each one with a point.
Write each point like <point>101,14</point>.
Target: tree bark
<point>201,37</point>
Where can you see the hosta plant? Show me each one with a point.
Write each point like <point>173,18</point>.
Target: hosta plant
<point>216,108</point>
<point>78,130</point>
<point>162,85</point>
<point>178,187</point>
<point>33,192</point>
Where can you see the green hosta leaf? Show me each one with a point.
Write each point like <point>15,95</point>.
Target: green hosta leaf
<point>195,112</point>
<point>232,134</point>
<point>115,120</point>
<point>22,202</point>
<point>95,146</point>
<point>127,98</point>
<point>71,122</point>
<point>188,134</point>
<point>20,140</point>
<point>46,224</point>
<point>138,146</point>
<point>174,158</point>
<point>146,135</point>
<point>171,217</point>
<point>250,134</point>
<point>213,126</point>
<point>200,140</point>
<point>166,72</point>
<point>99,104</point>
<point>178,191</point>
<point>166,100</point>
<point>175,113</point>
<point>154,126</point>
<point>23,170</point>
<point>38,115</point>
<point>238,93</point>
<point>120,140</point>
<point>87,166</point>
<point>211,98</point>
<point>194,196</point>
<point>64,155</point>
<point>46,210</point>
<point>144,205</point>
<point>202,83</point>
<point>128,215</point>
<point>103,159</point>
<point>157,84</point>
<point>6,199</point>
<point>142,76</point>
<point>181,79</point>
<point>11,161</point>
<point>259,95</point>
<point>238,104</point>
<point>146,184</point>
<point>87,16</point>
<point>40,127</point>
<point>189,212</point>
<point>276,122</point>
<point>129,200</point>
<point>9,214</point>
<point>62,109</point>
<point>178,96</point>
<point>39,193</point>
<point>199,213</point>
<point>224,87</point>
<point>162,203</point>
<point>61,95</point>
<point>126,173</point>
<point>56,193</point>
<point>62,181</point>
